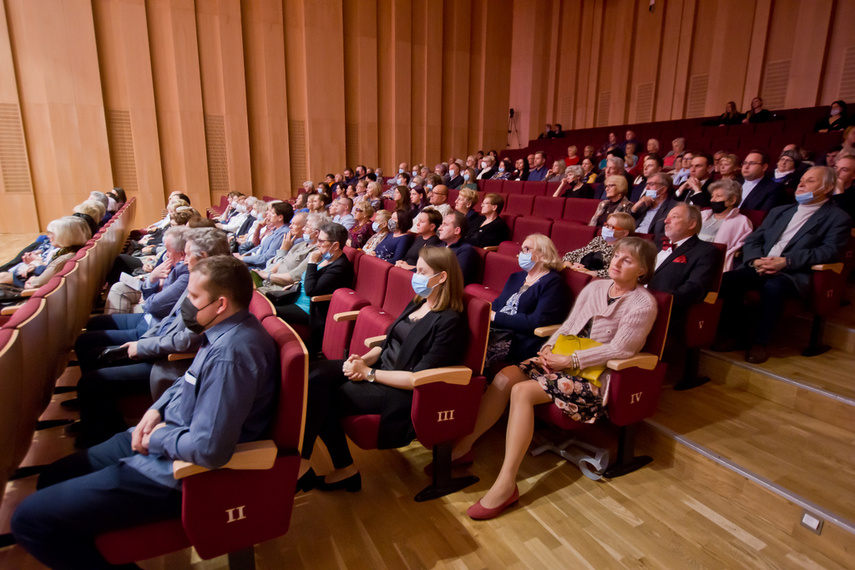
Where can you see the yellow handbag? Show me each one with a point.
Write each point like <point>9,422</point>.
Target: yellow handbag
<point>568,344</point>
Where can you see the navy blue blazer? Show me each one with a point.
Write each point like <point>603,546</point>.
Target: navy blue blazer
<point>544,303</point>
<point>820,240</point>
<point>766,195</point>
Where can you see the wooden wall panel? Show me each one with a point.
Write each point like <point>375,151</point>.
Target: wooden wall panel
<point>221,59</point>
<point>839,74</point>
<point>17,200</point>
<point>455,82</point>
<point>363,80</point>
<point>124,53</point>
<point>59,84</point>
<point>266,91</point>
<point>178,96</point>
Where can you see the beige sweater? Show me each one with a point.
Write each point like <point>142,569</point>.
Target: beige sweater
<point>622,327</point>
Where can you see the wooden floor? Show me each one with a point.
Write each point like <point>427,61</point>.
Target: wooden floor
<point>682,511</point>
<point>11,244</point>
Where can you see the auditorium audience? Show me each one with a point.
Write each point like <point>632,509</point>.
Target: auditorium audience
<point>424,228</point>
<point>786,172</point>
<point>361,231</point>
<point>65,237</point>
<point>340,210</point>
<point>723,223</point>
<point>279,215</point>
<point>438,200</point>
<point>487,168</point>
<point>777,260</point>
<point>678,147</point>
<point>505,170</point>
<point>617,315</point>
<point>430,333</point>
<point>651,165</point>
<point>380,227</point>
<point>521,170</point>
<point>455,177</point>
<point>489,229</point>
<point>594,258</point>
<point>731,115</point>
<point>729,168</point>
<point>540,171</point>
<point>556,173</point>
<point>531,298</point>
<point>286,269</point>
<point>465,204</point>
<point>452,232</point>
<point>572,158</point>
<point>469,179</point>
<point>615,201</point>
<point>759,191</point>
<point>836,120</point>
<point>695,190</point>
<point>844,192</point>
<point>589,170</point>
<point>757,114</point>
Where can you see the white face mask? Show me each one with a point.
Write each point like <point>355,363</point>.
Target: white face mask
<point>835,112</point>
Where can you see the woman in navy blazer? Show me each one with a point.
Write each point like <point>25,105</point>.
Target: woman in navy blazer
<point>430,333</point>
<point>531,298</point>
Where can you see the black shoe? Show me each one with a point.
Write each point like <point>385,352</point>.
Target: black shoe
<point>71,404</point>
<point>757,354</point>
<point>308,481</point>
<point>689,383</point>
<point>351,484</point>
<point>73,429</point>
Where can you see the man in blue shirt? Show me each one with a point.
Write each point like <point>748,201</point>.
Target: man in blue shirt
<point>225,398</point>
<point>279,215</point>
<point>538,173</point>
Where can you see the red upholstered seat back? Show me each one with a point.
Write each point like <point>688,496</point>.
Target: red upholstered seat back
<point>493,186</point>
<point>399,290</point>
<point>355,257</point>
<point>534,188</point>
<point>574,281</point>
<point>287,429</point>
<point>497,269</point>
<point>478,321</point>
<point>519,205</point>
<point>372,321</point>
<point>548,207</point>
<point>260,306</point>
<point>337,334</point>
<point>527,226</point>
<point>580,210</point>
<point>656,339</point>
<point>756,217</point>
<point>513,187</point>
<point>570,236</point>
<point>372,279</point>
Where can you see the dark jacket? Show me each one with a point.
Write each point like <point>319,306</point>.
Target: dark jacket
<point>467,258</point>
<point>324,281</point>
<point>438,339</point>
<point>412,255</point>
<point>766,195</point>
<point>544,303</point>
<point>689,279</point>
<point>486,235</point>
<point>820,240</point>
<point>657,226</point>
<point>456,182</point>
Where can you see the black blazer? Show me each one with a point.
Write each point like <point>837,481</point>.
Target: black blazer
<point>820,240</point>
<point>456,182</point>
<point>766,195</point>
<point>438,339</point>
<point>701,199</point>
<point>584,191</point>
<point>324,281</point>
<point>688,282</point>
<point>490,234</point>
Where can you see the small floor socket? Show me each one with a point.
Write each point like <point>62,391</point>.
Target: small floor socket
<point>812,523</point>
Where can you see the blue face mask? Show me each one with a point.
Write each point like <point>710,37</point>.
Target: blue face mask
<point>501,169</point>
<point>327,256</point>
<point>307,237</point>
<point>466,176</point>
<point>526,262</point>
<point>420,285</point>
<point>608,234</point>
<point>400,171</point>
<point>804,198</point>
<point>650,193</point>
<point>375,226</point>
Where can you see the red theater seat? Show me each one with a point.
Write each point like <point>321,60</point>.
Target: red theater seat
<point>580,210</point>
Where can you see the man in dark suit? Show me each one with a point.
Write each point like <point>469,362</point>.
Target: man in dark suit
<point>453,229</point>
<point>777,261</point>
<point>685,265</point>
<point>455,179</point>
<point>696,190</point>
<point>760,192</point>
<point>652,207</point>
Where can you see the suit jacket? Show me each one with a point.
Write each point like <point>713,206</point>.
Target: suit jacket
<point>820,240</point>
<point>324,281</point>
<point>766,195</point>
<point>657,226</point>
<point>438,339</point>
<point>456,182</point>
<point>469,262</point>
<point>701,199</point>
<point>688,281</point>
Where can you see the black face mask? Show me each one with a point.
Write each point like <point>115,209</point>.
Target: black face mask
<point>718,207</point>
<point>188,315</point>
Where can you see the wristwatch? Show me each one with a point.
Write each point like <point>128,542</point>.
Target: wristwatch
<point>371,375</point>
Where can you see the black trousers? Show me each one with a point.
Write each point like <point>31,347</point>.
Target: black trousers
<point>774,291</point>
<point>332,397</point>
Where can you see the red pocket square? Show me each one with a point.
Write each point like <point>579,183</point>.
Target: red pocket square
<point>681,259</point>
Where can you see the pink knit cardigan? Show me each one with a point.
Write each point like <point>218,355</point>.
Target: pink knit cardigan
<point>622,327</point>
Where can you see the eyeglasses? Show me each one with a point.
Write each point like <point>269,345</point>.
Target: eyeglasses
<point>357,209</point>
<point>612,227</point>
<point>526,249</point>
<point>611,185</point>
<point>325,240</point>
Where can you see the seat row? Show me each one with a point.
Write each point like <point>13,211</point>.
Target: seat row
<point>37,335</point>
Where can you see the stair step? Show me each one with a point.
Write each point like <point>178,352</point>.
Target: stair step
<point>820,387</point>
<point>805,454</point>
<point>755,505</point>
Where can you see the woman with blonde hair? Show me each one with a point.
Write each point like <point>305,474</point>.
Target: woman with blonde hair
<point>431,332</point>
<point>531,298</point>
<point>616,201</point>
<point>361,230</point>
<point>380,226</point>
<point>375,195</point>
<point>66,235</point>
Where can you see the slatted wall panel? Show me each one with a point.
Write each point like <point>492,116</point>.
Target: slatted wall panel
<point>846,91</point>
<point>218,160</point>
<point>697,100</point>
<point>776,78</point>
<point>603,104</point>
<point>297,147</point>
<point>644,102</point>
<point>566,114</point>
<point>351,150</point>
<point>121,139</point>
<point>13,150</point>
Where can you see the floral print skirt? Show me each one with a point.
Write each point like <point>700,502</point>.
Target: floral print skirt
<point>580,400</point>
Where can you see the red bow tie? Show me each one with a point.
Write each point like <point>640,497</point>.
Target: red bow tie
<point>666,244</point>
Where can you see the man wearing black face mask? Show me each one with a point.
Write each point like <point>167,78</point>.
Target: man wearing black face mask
<point>225,398</point>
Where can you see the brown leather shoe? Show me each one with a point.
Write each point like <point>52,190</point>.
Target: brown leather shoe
<point>757,354</point>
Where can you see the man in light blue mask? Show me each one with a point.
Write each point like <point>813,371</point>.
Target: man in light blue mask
<point>778,258</point>
<point>653,206</point>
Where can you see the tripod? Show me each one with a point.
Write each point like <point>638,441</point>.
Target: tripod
<point>512,128</point>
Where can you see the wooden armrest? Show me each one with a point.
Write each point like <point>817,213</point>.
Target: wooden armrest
<point>711,298</point>
<point>5,311</point>
<point>250,455</point>
<point>28,292</point>
<point>492,248</point>
<point>373,341</point>
<point>180,356</point>
<point>321,298</point>
<point>641,360</point>
<point>836,267</point>
<point>460,375</point>
<point>345,316</point>
<point>546,331</point>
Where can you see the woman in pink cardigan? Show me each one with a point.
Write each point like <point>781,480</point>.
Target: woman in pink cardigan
<point>722,222</point>
<point>618,313</point>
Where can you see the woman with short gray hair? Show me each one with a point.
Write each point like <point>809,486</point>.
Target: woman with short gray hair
<point>723,223</point>
<point>573,184</point>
